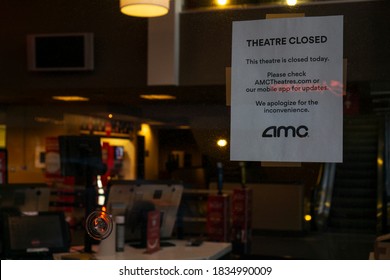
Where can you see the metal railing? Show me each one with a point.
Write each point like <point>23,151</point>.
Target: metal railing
<point>324,195</point>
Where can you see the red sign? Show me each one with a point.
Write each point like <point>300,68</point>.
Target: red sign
<point>3,167</point>
<point>153,232</point>
<point>241,219</point>
<point>218,218</point>
<point>65,198</point>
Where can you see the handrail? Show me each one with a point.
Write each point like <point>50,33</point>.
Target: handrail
<point>325,194</point>
<point>383,166</point>
<point>386,178</point>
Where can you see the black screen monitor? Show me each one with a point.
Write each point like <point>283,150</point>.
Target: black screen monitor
<point>80,155</point>
<point>28,236</point>
<point>60,52</point>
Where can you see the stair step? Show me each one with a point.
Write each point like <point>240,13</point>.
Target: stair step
<point>339,191</point>
<point>351,183</point>
<point>350,202</point>
<point>354,165</point>
<point>361,121</point>
<point>368,126</point>
<point>353,224</point>
<point>353,213</point>
<point>354,205</point>
<point>356,173</point>
<point>359,148</point>
<point>362,157</point>
<point>361,138</point>
<point>369,230</point>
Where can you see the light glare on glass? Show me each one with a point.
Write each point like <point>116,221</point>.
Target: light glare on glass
<point>99,224</point>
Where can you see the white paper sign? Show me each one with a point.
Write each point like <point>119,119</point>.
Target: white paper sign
<point>287,87</point>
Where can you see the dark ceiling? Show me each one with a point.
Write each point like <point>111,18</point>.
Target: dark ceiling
<point>211,94</point>
<point>194,5</point>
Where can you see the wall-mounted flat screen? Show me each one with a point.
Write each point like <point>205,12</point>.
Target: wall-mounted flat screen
<point>60,52</point>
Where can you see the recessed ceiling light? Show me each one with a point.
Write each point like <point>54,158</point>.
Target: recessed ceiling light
<point>157,96</point>
<point>222,2</point>
<point>70,98</point>
<point>291,2</point>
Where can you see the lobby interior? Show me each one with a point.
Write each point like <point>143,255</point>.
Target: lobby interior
<point>185,56</point>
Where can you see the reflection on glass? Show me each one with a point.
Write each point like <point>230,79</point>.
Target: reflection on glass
<point>99,224</point>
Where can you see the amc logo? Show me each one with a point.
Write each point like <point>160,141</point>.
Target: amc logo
<point>301,131</point>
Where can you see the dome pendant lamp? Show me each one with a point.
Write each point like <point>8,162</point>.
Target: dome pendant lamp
<point>144,8</point>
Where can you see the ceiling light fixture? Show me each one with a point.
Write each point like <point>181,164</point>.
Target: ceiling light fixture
<point>70,98</point>
<point>291,2</point>
<point>157,96</point>
<point>222,2</point>
<point>144,8</point>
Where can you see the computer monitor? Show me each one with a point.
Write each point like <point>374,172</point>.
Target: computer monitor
<point>134,199</point>
<point>35,236</point>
